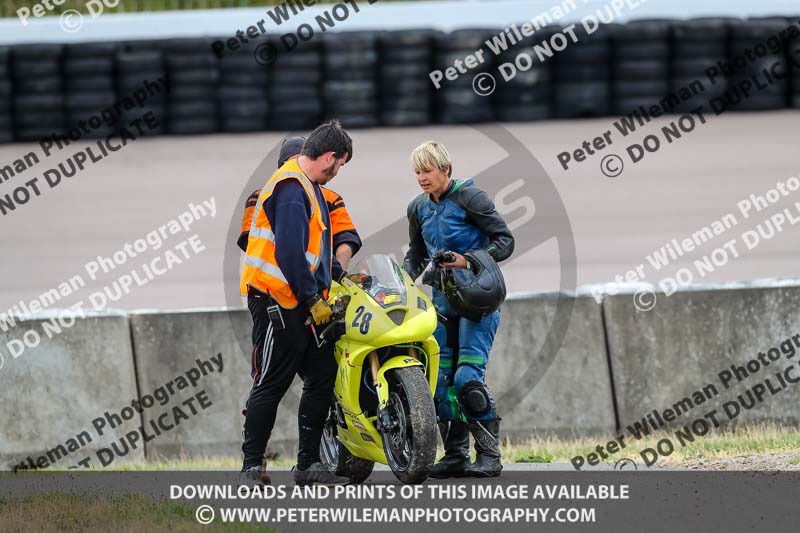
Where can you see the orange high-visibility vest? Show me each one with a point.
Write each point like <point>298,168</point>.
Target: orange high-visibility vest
<point>340,218</point>
<point>261,270</point>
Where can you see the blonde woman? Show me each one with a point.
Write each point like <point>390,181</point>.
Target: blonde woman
<point>449,219</point>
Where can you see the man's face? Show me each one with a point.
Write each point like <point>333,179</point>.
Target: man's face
<point>332,166</point>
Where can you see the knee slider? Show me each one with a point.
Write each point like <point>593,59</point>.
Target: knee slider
<point>475,399</point>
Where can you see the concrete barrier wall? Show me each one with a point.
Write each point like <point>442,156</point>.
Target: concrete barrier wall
<point>53,391</point>
<point>679,347</point>
<point>564,388</point>
<point>585,370</point>
<point>168,345</point>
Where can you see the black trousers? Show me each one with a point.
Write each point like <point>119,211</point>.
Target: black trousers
<point>278,355</point>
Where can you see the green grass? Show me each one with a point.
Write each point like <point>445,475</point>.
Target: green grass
<point>746,440</point>
<point>8,8</point>
<point>115,514</point>
<point>198,463</point>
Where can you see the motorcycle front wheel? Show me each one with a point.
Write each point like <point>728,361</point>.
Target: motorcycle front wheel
<point>410,441</point>
<point>334,454</point>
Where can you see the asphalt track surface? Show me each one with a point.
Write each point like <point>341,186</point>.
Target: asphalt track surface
<point>616,222</point>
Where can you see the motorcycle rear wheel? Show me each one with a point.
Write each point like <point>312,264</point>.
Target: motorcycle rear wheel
<point>334,454</point>
<point>410,444</point>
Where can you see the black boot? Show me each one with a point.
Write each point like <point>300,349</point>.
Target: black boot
<point>456,450</point>
<point>487,444</point>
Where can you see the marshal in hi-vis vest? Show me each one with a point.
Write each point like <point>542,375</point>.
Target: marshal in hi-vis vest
<point>261,270</point>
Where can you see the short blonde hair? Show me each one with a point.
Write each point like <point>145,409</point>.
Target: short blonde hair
<point>430,155</point>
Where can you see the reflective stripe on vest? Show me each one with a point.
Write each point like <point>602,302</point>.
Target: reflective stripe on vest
<point>264,233</point>
<point>261,269</point>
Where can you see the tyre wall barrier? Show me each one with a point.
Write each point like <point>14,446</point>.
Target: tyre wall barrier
<point>68,373</point>
<point>381,78</point>
<point>6,126</point>
<point>693,354</point>
<point>794,51</point>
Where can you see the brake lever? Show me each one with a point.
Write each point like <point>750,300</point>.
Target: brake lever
<point>329,326</point>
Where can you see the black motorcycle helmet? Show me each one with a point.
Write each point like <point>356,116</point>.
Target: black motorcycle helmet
<point>475,292</point>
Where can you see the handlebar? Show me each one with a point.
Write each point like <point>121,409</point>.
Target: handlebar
<point>338,311</point>
<point>443,257</point>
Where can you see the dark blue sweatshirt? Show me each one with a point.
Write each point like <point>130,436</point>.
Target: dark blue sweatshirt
<point>289,212</point>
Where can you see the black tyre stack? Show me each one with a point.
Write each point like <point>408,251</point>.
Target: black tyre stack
<point>350,88</point>
<point>641,67</point>
<point>89,83</point>
<point>582,82</point>
<point>193,71</point>
<point>748,34</point>
<point>6,124</point>
<point>38,91</point>
<point>138,66</point>
<point>456,102</point>
<point>406,90</point>
<point>527,96</point>
<point>242,94</point>
<point>794,53</point>
<point>295,88</point>
<point>698,45</point>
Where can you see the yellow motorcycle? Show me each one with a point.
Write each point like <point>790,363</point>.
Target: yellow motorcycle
<point>383,408</point>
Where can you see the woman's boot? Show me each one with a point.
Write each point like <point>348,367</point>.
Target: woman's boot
<point>455,435</point>
<point>487,445</point>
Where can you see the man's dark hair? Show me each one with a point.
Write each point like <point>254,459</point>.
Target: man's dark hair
<point>328,137</point>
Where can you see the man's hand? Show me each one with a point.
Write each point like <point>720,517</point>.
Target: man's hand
<point>319,310</point>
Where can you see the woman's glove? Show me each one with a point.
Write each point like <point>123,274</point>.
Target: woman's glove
<point>443,256</point>
<point>432,277</point>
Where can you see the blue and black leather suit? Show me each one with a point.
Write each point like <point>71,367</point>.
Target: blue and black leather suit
<point>463,219</point>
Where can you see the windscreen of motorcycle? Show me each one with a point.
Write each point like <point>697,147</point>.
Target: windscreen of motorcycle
<point>382,279</point>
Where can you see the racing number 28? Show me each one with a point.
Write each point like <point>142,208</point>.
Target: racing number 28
<point>361,321</point>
